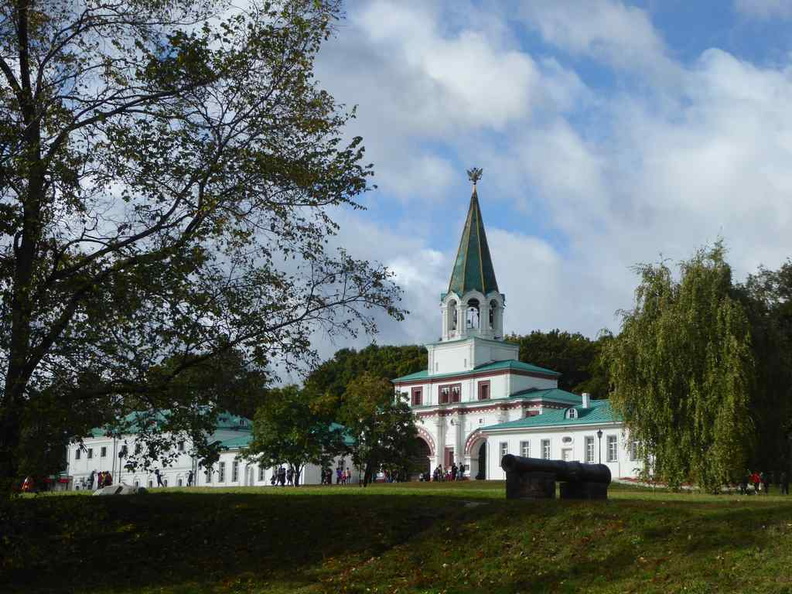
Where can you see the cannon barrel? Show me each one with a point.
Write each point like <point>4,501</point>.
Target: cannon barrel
<point>563,471</point>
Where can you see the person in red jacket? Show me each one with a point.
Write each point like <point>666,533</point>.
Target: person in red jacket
<point>756,480</point>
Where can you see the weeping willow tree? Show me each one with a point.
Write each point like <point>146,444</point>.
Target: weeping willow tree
<point>682,372</point>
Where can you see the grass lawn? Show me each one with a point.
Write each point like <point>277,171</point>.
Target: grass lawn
<point>445,537</point>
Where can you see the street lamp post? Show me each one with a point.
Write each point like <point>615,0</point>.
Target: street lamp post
<point>599,444</point>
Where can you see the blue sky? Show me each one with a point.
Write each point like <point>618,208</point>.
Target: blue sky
<point>609,132</point>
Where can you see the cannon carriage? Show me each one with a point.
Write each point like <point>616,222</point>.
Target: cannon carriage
<point>535,478</point>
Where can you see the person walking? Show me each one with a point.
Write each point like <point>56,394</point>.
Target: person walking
<point>281,476</point>
<point>766,482</point>
<point>784,480</point>
<point>190,478</point>
<point>290,476</point>
<point>159,477</point>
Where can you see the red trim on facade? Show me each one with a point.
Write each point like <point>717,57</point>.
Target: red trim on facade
<point>473,438</point>
<point>452,378</point>
<point>419,392</point>
<point>424,434</point>
<point>484,392</point>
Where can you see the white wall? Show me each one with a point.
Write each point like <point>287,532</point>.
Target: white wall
<point>248,475</point>
<point>622,467</point>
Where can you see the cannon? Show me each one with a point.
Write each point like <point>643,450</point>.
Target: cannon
<point>535,478</point>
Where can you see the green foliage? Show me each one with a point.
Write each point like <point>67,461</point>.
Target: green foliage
<point>293,427</point>
<point>576,357</point>
<point>682,372</point>
<point>767,298</point>
<point>167,175</point>
<point>381,425</point>
<point>386,362</point>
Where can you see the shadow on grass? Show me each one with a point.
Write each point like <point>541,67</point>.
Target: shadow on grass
<point>344,541</point>
<point>172,539</point>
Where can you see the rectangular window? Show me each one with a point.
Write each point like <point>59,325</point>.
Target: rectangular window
<point>504,448</point>
<point>234,471</point>
<point>633,450</point>
<point>209,476</point>
<point>90,453</point>
<point>181,446</point>
<point>449,393</point>
<point>221,474</point>
<point>77,454</point>
<point>546,449</point>
<point>590,450</point>
<point>525,449</point>
<point>484,390</point>
<point>613,455</point>
<point>103,452</point>
<point>261,474</point>
<point>416,396</point>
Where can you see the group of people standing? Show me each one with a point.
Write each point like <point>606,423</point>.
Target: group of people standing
<point>762,481</point>
<point>96,481</point>
<point>454,473</point>
<point>283,477</point>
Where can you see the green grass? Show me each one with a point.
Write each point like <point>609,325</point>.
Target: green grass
<point>462,537</point>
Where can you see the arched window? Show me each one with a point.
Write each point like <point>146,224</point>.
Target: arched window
<point>571,413</point>
<point>493,306</point>
<point>473,313</point>
<point>452,315</point>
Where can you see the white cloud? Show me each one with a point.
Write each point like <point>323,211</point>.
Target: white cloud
<point>595,183</point>
<point>604,29</point>
<point>764,9</point>
<point>416,81</point>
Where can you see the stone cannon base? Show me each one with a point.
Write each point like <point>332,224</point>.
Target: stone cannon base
<point>530,485</point>
<point>583,490</point>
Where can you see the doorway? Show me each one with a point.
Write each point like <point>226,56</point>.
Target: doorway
<point>482,462</point>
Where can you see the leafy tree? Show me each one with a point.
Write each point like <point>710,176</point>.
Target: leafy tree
<point>573,355</point>
<point>386,362</point>
<point>294,427</point>
<point>382,426</point>
<point>228,381</point>
<point>166,175</point>
<point>682,372</point>
<point>767,297</point>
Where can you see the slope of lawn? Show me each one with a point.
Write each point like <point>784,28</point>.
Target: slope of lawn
<point>443,537</point>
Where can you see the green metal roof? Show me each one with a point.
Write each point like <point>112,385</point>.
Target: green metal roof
<point>511,364</point>
<point>554,394</point>
<point>473,268</point>
<point>131,423</point>
<point>598,412</point>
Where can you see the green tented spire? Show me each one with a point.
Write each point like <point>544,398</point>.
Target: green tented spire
<point>473,268</point>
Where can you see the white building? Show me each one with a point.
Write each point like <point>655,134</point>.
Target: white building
<point>477,401</point>
<point>100,452</point>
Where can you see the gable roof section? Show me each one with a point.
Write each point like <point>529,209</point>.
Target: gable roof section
<point>599,412</point>
<point>511,365</point>
<point>473,270</point>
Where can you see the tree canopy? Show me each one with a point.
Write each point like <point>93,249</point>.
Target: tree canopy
<point>574,356</point>
<point>296,428</point>
<point>382,428</point>
<point>167,173</point>
<point>682,372</point>
<point>767,298</point>
<point>386,362</point>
